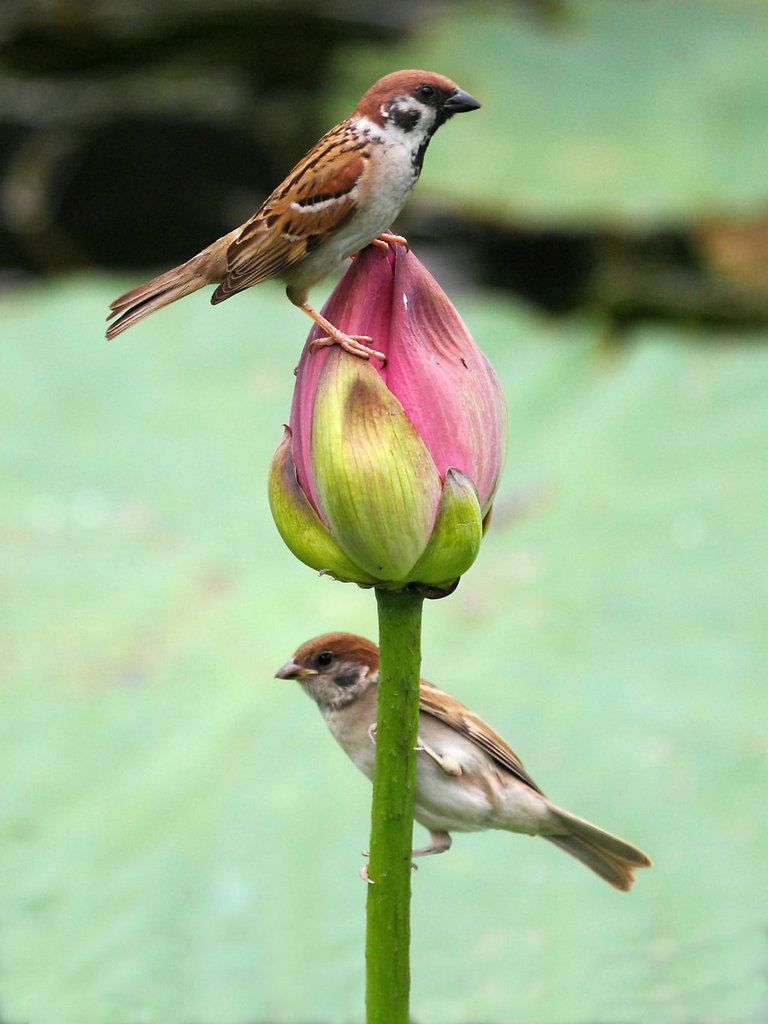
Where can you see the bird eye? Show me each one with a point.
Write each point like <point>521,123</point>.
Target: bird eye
<point>426,92</point>
<point>324,659</point>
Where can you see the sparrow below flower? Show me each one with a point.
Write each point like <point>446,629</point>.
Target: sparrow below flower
<point>339,198</point>
<point>468,778</point>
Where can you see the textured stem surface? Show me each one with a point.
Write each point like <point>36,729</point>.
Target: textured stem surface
<point>387,949</point>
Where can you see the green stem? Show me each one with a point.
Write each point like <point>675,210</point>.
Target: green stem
<point>387,947</point>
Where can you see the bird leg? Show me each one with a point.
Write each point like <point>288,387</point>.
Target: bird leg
<point>440,842</point>
<point>352,343</point>
<point>445,762</point>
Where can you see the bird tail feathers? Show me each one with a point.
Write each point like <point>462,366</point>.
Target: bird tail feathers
<point>208,267</point>
<point>611,858</point>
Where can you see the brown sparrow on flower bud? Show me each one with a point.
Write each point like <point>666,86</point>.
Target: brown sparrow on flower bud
<point>343,195</point>
<point>468,778</point>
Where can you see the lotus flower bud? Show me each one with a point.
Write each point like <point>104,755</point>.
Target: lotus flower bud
<point>386,474</point>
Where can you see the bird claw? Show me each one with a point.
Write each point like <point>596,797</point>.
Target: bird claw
<point>387,238</point>
<point>352,343</point>
<point>372,737</point>
<point>445,762</point>
<point>370,881</point>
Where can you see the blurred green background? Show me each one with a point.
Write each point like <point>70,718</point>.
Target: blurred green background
<point>180,835</point>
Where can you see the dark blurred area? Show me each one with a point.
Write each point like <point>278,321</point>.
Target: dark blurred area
<point>133,133</point>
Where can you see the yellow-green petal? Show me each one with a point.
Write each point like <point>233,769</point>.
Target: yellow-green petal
<point>376,484</point>
<point>456,537</point>
<point>300,526</point>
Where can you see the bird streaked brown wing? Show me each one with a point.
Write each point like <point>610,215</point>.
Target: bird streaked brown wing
<point>315,200</point>
<point>436,702</point>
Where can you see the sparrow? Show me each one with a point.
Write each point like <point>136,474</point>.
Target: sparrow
<point>339,198</point>
<point>468,778</point>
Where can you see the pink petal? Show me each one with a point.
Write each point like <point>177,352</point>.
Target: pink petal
<point>444,382</point>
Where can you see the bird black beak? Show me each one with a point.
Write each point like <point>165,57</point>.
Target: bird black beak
<point>459,102</point>
<point>292,670</point>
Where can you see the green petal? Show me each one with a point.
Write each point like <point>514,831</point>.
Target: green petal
<point>455,540</point>
<point>300,526</point>
<point>376,484</point>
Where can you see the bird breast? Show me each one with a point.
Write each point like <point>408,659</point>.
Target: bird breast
<point>379,195</point>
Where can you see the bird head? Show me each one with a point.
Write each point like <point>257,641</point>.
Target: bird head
<point>334,669</point>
